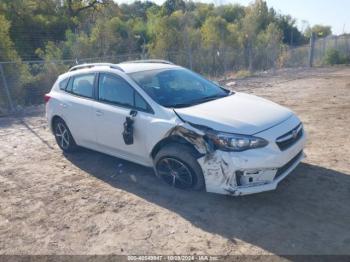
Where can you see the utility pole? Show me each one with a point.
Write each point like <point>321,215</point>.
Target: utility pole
<point>311,50</point>
<point>141,36</point>
<point>187,41</point>
<point>6,89</point>
<point>188,47</point>
<point>143,47</point>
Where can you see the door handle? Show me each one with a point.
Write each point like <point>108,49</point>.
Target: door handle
<point>99,113</point>
<point>63,105</point>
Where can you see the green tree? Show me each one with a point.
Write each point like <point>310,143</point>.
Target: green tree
<point>167,31</point>
<point>215,35</point>
<point>137,9</point>
<point>231,13</point>
<point>15,72</point>
<point>52,67</point>
<point>210,39</point>
<point>76,46</point>
<point>33,23</point>
<point>291,35</point>
<point>319,31</point>
<point>268,47</point>
<point>256,19</point>
<point>170,6</point>
<point>7,49</point>
<point>73,8</point>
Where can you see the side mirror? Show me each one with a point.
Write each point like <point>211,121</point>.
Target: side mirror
<point>128,133</point>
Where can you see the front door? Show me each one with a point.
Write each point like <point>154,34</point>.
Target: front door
<point>116,101</point>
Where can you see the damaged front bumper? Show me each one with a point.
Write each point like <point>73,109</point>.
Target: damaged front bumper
<point>252,171</point>
<point>226,176</point>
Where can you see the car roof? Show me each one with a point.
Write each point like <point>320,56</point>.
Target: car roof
<point>138,67</point>
<point>125,67</point>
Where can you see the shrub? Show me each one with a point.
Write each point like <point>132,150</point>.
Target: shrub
<point>243,74</point>
<point>345,59</point>
<point>333,57</point>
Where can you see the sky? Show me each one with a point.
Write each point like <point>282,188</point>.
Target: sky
<point>335,13</point>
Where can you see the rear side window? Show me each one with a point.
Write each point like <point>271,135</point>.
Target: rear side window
<point>63,83</point>
<point>82,85</point>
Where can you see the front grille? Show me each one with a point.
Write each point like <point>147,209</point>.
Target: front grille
<point>284,168</point>
<point>290,138</point>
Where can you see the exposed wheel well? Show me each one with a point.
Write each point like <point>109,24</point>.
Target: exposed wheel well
<point>53,121</point>
<point>173,140</point>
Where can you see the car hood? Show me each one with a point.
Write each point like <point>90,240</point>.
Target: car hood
<point>238,113</point>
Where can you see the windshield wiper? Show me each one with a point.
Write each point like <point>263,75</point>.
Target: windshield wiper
<point>180,105</point>
<point>198,101</point>
<point>208,98</point>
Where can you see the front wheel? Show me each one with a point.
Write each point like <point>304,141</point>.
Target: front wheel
<point>177,166</point>
<point>63,136</point>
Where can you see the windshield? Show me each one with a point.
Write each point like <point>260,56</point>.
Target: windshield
<point>177,87</point>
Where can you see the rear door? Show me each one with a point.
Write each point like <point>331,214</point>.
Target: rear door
<point>78,108</point>
<point>117,99</point>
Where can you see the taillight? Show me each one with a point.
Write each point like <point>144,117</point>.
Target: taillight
<point>47,98</point>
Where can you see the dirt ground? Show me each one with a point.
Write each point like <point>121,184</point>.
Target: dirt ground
<point>90,203</point>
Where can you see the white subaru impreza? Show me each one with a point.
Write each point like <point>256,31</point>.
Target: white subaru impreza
<point>194,133</point>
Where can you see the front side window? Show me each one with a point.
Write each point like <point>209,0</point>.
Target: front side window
<point>115,90</point>
<point>140,103</point>
<point>177,87</point>
<point>82,85</point>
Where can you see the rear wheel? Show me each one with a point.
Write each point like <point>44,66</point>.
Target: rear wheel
<point>63,136</point>
<point>177,166</point>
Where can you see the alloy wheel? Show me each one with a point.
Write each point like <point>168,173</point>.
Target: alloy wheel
<point>175,173</point>
<point>62,135</point>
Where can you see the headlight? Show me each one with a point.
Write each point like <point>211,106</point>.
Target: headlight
<point>234,142</point>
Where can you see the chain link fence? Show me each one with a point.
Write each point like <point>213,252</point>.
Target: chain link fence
<point>318,53</point>
<point>24,83</point>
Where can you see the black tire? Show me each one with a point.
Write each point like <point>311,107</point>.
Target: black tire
<point>63,136</point>
<point>167,165</point>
